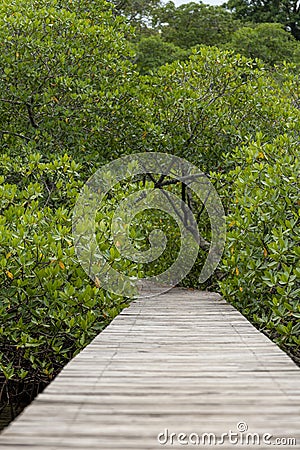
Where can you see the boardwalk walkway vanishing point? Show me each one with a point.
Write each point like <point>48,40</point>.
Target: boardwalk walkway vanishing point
<point>166,372</point>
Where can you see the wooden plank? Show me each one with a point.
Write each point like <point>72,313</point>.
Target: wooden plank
<point>186,362</point>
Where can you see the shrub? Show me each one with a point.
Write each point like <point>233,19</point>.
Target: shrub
<point>49,308</point>
<point>262,261</point>
<point>201,109</point>
<point>269,42</point>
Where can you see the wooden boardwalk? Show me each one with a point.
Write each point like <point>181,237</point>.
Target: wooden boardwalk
<point>185,362</point>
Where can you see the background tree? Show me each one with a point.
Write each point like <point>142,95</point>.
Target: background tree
<point>267,41</point>
<point>204,107</point>
<point>194,23</point>
<point>63,77</point>
<point>286,12</point>
<point>152,52</point>
<point>137,12</point>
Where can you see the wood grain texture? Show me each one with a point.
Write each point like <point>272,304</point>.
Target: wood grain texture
<point>185,361</point>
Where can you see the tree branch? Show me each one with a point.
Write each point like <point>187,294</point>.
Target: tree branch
<point>15,134</point>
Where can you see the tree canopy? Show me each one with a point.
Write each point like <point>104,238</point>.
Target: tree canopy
<point>64,76</point>
<point>137,12</point>
<point>194,23</point>
<point>286,12</point>
<point>153,52</point>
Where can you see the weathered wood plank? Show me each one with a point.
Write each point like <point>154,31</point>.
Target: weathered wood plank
<point>187,362</point>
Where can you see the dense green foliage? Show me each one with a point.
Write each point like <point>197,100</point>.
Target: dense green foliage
<point>239,123</point>
<point>262,262</point>
<point>72,99</point>
<point>205,107</point>
<point>67,87</point>
<point>58,96</point>
<point>153,52</point>
<point>254,30</point>
<point>194,23</point>
<point>137,12</point>
<point>269,42</point>
<point>286,12</point>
